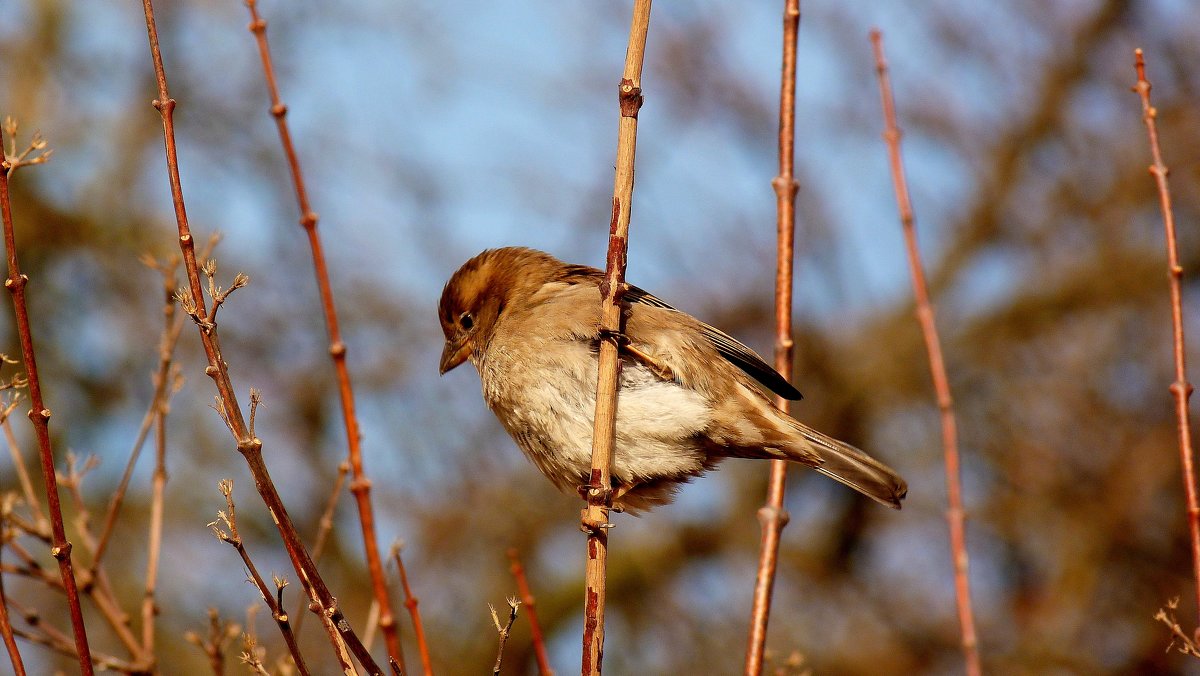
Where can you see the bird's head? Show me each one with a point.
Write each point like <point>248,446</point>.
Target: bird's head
<point>479,292</point>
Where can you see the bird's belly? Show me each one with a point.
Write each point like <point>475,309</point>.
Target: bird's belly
<point>546,399</point>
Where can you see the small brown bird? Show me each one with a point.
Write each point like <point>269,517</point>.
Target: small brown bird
<point>688,398</point>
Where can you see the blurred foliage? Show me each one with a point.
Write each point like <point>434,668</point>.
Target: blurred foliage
<point>430,131</point>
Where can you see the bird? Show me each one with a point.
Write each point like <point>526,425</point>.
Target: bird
<point>689,395</point>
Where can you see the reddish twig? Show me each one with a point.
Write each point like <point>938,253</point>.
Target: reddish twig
<point>535,627</point>
<point>39,415</point>
<point>360,485</point>
<point>600,494</point>
<point>274,600</point>
<point>411,602</point>
<point>1181,389</point>
<point>324,604</point>
<point>6,628</point>
<point>955,515</point>
<point>772,516</point>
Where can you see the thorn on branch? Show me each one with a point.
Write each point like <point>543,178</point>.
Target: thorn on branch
<point>280,584</point>
<point>255,400</point>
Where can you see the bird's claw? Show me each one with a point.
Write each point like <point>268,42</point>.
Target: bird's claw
<point>618,337</point>
<point>593,526</point>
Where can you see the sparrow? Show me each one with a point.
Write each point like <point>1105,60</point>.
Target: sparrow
<point>689,395</point>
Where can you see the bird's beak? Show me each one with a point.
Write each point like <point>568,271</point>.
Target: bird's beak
<point>456,352</point>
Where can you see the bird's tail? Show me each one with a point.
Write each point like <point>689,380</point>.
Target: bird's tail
<point>847,464</point>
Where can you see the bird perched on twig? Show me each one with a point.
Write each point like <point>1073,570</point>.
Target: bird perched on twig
<point>687,398</point>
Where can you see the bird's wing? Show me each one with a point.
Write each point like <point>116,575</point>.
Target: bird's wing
<point>733,350</point>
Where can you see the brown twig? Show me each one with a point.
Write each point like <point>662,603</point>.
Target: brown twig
<point>360,485</point>
<point>955,515</point>
<point>65,647</point>
<point>412,602</point>
<point>41,522</point>
<point>324,528</point>
<point>46,634</point>
<point>6,628</point>
<point>253,654</point>
<point>274,600</point>
<point>158,400</point>
<point>772,516</point>
<point>527,599</point>
<point>154,537</point>
<point>97,587</point>
<point>1181,389</point>
<point>503,631</point>
<point>220,634</point>
<point>1180,640</point>
<point>39,415</point>
<point>600,493</point>
<point>324,604</point>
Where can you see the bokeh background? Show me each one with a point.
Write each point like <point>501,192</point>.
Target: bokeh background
<point>432,130</point>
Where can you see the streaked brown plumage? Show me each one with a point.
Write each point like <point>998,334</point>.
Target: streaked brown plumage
<point>688,397</point>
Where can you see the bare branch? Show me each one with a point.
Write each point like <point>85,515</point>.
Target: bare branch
<point>1181,389</point>
<point>535,627</point>
<point>39,415</point>
<point>955,516</point>
<point>594,520</point>
<point>503,631</point>
<point>360,486</point>
<point>772,516</point>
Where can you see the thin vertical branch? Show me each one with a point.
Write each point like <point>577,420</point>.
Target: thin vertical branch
<point>600,494</point>
<point>955,515</point>
<point>527,599</point>
<point>158,404</point>
<point>1181,389</point>
<point>772,516</point>
<point>324,604</point>
<point>164,384</point>
<point>39,415</point>
<point>412,603</point>
<point>6,628</point>
<point>360,485</point>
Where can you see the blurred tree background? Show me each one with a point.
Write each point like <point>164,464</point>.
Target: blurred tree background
<point>433,130</point>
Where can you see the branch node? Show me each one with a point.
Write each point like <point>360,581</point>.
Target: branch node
<point>337,349</point>
<point>630,97</point>
<point>61,552</point>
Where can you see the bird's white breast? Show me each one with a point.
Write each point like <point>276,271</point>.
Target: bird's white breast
<point>544,392</point>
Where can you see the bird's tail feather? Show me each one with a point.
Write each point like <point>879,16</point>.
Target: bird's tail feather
<point>847,464</point>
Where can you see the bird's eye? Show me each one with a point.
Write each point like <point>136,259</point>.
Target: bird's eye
<point>466,321</point>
